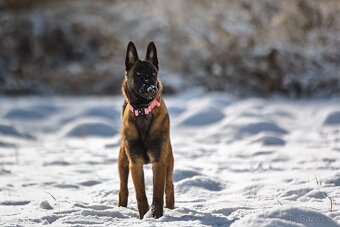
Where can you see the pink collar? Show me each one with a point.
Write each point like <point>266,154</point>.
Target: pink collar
<point>145,111</point>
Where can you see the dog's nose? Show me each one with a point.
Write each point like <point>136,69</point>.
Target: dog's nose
<point>152,89</point>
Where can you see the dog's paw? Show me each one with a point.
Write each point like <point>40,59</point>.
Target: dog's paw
<point>156,210</point>
<point>143,208</point>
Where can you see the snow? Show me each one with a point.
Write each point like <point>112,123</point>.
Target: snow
<point>45,205</point>
<point>333,118</point>
<point>288,217</point>
<point>238,162</point>
<point>201,116</point>
<point>87,129</point>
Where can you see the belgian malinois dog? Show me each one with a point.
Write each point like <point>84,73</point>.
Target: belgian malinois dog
<point>145,134</point>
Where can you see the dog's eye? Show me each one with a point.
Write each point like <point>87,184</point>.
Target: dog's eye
<point>138,73</point>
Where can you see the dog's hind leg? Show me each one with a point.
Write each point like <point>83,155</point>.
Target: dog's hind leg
<point>123,169</point>
<point>169,185</point>
<point>137,174</point>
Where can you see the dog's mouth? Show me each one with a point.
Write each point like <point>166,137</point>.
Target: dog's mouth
<point>146,96</point>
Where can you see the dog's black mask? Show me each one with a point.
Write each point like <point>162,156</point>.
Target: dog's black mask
<point>142,75</point>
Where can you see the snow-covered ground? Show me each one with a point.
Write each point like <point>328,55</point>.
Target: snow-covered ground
<point>238,162</point>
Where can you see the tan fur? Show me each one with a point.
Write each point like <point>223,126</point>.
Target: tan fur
<point>156,145</point>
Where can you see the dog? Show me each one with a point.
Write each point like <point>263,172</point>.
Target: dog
<point>145,135</point>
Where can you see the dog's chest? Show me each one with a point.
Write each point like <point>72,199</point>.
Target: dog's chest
<point>144,125</point>
<point>151,140</point>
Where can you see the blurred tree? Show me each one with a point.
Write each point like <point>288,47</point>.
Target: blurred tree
<point>246,47</point>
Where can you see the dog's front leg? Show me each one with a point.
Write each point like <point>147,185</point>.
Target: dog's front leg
<point>123,169</point>
<point>159,170</point>
<point>169,185</point>
<point>137,173</point>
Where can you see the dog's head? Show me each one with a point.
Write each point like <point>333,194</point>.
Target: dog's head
<point>142,75</point>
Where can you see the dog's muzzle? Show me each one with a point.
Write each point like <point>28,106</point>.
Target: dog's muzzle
<point>152,90</point>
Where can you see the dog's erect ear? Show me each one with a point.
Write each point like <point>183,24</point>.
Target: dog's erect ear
<point>151,54</point>
<point>131,56</point>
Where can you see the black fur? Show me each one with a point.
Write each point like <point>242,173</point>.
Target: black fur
<point>142,72</point>
<point>146,137</point>
<point>141,75</point>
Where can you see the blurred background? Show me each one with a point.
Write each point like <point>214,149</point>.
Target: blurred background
<point>245,47</point>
